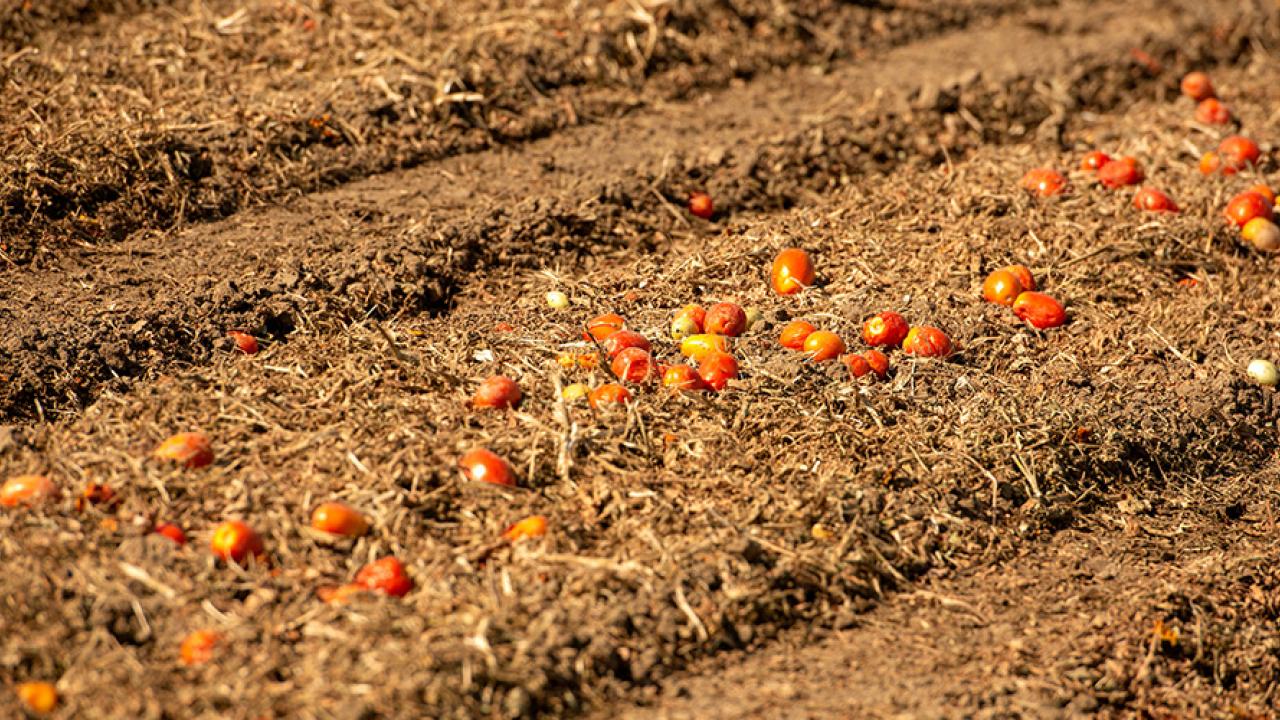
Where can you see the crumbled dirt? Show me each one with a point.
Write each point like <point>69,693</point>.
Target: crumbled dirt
<point>1090,480</point>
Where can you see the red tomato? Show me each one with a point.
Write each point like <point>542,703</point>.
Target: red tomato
<point>498,391</point>
<point>601,327</point>
<point>1247,206</point>
<point>1265,191</point>
<point>623,339</point>
<point>886,329</point>
<point>794,333</point>
<point>717,369</point>
<point>245,342</point>
<point>337,518</point>
<point>683,378</point>
<point>1121,172</point>
<point>822,346</point>
<point>856,363</point>
<point>504,327</point>
<point>792,272</point>
<point>1196,85</point>
<point>386,576</point>
<point>878,362</point>
<point>1039,310</point>
<point>1212,112</point>
<point>633,365</point>
<point>725,319</point>
<point>188,449</point>
<point>1023,273</point>
<point>482,465</point>
<point>197,648</point>
<point>27,490</point>
<point>700,205</point>
<point>1210,163</point>
<point>171,531</point>
<point>1094,160</point>
<point>925,341</point>
<point>1237,153</point>
<point>1152,200</point>
<point>608,394</point>
<point>1044,182</point>
<point>1001,287</point>
<point>234,541</point>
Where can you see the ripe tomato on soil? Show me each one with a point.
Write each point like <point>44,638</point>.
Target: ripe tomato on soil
<point>1247,206</point>
<point>1044,182</point>
<point>695,347</point>
<point>886,329</point>
<point>171,531</point>
<point>623,339</point>
<point>1210,163</point>
<point>197,647</point>
<point>497,392</point>
<point>235,541</point>
<point>1262,234</point>
<point>823,345</point>
<point>244,342</point>
<point>1197,86</point>
<point>716,369</point>
<point>688,320</point>
<point>1121,172</point>
<point>602,326</point>
<point>683,378</point>
<point>1237,153</point>
<point>794,333</point>
<point>1039,310</point>
<point>39,698</point>
<point>725,318</point>
<point>188,449</point>
<point>700,205</point>
<point>1023,273</point>
<point>1094,160</point>
<point>534,526</point>
<point>792,272</point>
<point>878,361</point>
<point>1001,287</point>
<point>1263,190</point>
<point>608,394</point>
<point>1150,199</point>
<point>27,490</point>
<point>484,465</point>
<point>925,341</point>
<point>337,518</point>
<point>1212,112</point>
<point>386,576</point>
<point>856,363</point>
<point>634,365</point>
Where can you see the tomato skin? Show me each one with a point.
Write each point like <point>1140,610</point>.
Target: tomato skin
<point>925,341</point>
<point>1044,182</point>
<point>1247,206</point>
<point>1237,153</point>
<point>1212,112</point>
<point>634,365</point>
<point>792,272</point>
<point>886,329</point>
<point>234,541</point>
<point>716,369</point>
<point>856,363</point>
<point>823,345</point>
<point>608,394</point>
<point>337,518</point>
<point>534,526</point>
<point>1023,273</point>
<point>189,449</point>
<point>700,205</point>
<point>1150,199</point>
<point>1001,287</point>
<point>1121,172</point>
<point>794,333</point>
<point>386,576</point>
<point>688,320</point>
<point>497,392</point>
<point>171,531</point>
<point>878,362</point>
<point>484,465</point>
<point>1039,310</point>
<point>197,648</point>
<point>725,318</point>
<point>1264,191</point>
<point>27,490</point>
<point>602,326</point>
<point>1093,161</point>
<point>623,339</point>
<point>244,342</point>
<point>1210,163</point>
<point>1197,86</point>
<point>683,378</point>
<point>695,347</point>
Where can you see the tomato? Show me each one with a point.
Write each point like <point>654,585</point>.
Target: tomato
<point>822,345</point>
<point>601,327</point>
<point>188,449</point>
<point>244,342</point>
<point>338,518</point>
<point>794,333</point>
<point>634,365</point>
<point>171,531</point>
<point>688,321</point>
<point>700,205</point>
<point>925,341</point>
<point>504,327</point>
<point>792,272</point>
<point>197,648</point>
<point>1210,163</point>
<point>39,698</point>
<point>1196,85</point>
<point>498,391</point>
<point>1001,287</point>
<point>234,541</point>
<point>683,378</point>
<point>1212,112</point>
<point>28,490</point>
<point>1238,153</point>
<point>1023,273</point>
<point>886,329</point>
<point>717,368</point>
<point>1044,182</point>
<point>878,362</point>
<point>386,576</point>
<point>623,339</point>
<point>856,363</point>
<point>1247,206</point>
<point>534,526</point>
<point>1153,200</point>
<point>1121,172</point>
<point>608,394</point>
<point>1094,160</point>
<point>696,346</point>
<point>1262,234</point>
<point>725,319</point>
<point>1264,191</point>
<point>1039,310</point>
<point>483,465</point>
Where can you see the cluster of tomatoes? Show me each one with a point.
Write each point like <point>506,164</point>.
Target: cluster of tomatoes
<point>1015,288</point>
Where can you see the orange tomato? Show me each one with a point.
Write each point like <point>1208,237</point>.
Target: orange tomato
<point>386,576</point>
<point>28,490</point>
<point>623,339</point>
<point>822,346</point>
<point>234,541</point>
<point>700,205</point>
<point>1121,172</point>
<point>188,449</point>
<point>857,365</point>
<point>498,391</point>
<point>716,369</point>
<point>1264,191</point>
<point>886,329</point>
<point>1212,112</point>
<point>1039,310</point>
<point>608,394</point>
<point>171,531</point>
<point>1094,160</point>
<point>601,327</point>
<point>1023,273</point>
<point>1153,200</point>
<point>1001,287</point>
<point>1247,206</point>
<point>878,362</point>
<point>725,318</point>
<point>1237,153</point>
<point>792,272</point>
<point>634,365</point>
<point>1044,182</point>
<point>534,526</point>
<point>197,648</point>
<point>39,698</point>
<point>483,465</point>
<point>1210,163</point>
<point>338,518</point>
<point>695,347</point>
<point>1196,85</point>
<point>925,341</point>
<point>794,333</point>
<point>683,378</point>
<point>244,342</point>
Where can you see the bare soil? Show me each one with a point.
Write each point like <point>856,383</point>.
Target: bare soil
<point>1070,523</point>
